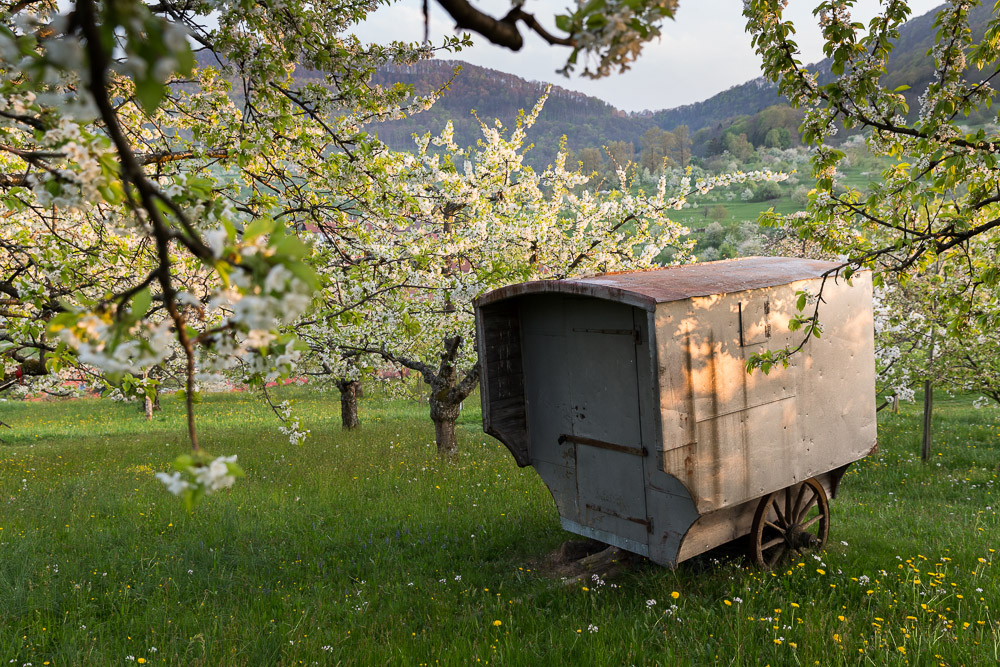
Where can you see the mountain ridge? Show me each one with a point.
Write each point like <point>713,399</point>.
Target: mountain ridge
<point>590,122</point>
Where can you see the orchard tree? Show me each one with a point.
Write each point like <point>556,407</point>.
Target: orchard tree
<point>146,211</point>
<point>470,220</point>
<point>937,203</point>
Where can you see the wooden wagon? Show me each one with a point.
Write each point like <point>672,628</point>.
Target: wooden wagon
<point>628,394</point>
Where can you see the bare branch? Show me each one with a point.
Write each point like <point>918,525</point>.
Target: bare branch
<point>501,32</point>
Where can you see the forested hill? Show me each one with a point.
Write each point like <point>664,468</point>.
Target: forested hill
<point>753,109</point>
<point>909,65</point>
<point>740,119</point>
<point>587,121</point>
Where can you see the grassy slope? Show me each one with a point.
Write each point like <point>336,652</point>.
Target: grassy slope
<point>363,549</point>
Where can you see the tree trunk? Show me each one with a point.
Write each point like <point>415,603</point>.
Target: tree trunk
<point>148,405</point>
<point>444,416</point>
<point>447,391</point>
<point>925,446</point>
<point>349,390</point>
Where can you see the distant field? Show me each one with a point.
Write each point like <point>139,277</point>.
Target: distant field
<point>362,548</point>
<point>739,211</point>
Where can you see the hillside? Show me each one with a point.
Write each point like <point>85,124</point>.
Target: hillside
<point>753,108</point>
<point>909,64</point>
<point>497,95</point>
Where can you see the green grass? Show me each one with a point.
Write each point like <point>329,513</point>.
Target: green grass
<point>362,548</point>
<point>739,211</point>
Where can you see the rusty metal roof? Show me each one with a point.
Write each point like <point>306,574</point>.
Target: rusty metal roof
<point>645,289</point>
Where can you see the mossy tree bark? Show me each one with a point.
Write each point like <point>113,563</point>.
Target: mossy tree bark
<point>449,387</point>
<point>349,392</point>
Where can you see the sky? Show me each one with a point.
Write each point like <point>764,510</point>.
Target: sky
<point>702,52</point>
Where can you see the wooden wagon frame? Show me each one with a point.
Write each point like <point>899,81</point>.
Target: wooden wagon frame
<point>628,394</point>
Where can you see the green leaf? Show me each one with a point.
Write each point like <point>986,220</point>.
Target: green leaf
<point>183,462</point>
<point>591,7</point>
<point>596,21</point>
<point>150,93</point>
<point>192,497</point>
<point>304,273</point>
<point>62,321</point>
<point>292,246</point>
<point>141,302</point>
<point>257,227</point>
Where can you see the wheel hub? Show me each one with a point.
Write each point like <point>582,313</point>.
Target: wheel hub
<point>797,538</point>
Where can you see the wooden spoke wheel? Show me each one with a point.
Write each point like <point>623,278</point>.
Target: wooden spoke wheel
<point>790,520</point>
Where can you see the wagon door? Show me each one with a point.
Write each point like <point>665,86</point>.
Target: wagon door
<point>603,392</point>
<point>581,394</point>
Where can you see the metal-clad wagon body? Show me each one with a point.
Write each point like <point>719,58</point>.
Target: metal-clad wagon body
<point>627,393</point>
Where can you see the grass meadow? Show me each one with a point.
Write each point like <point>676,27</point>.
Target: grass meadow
<point>363,549</point>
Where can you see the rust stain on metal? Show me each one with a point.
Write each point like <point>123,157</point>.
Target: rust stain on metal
<point>625,449</point>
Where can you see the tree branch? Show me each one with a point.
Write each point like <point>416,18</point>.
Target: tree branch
<point>501,32</point>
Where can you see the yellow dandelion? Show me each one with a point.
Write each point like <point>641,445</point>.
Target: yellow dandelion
<point>675,595</point>
<point>727,603</point>
<point>901,649</point>
<point>497,623</point>
<point>820,571</point>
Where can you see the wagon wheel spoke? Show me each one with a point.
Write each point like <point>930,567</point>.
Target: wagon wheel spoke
<point>812,502</point>
<point>798,503</point>
<point>812,521</point>
<point>775,526</point>
<point>773,543</point>
<point>777,510</point>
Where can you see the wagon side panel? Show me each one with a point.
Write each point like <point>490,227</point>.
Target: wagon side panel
<point>732,437</point>
<point>836,380</point>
